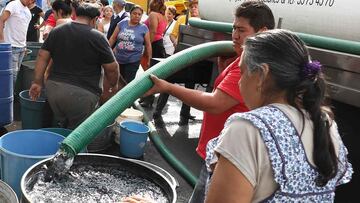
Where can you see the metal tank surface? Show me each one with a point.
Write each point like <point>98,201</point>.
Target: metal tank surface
<point>333,19</point>
<point>330,18</point>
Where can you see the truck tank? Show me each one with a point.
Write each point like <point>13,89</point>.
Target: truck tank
<point>331,18</point>
<point>330,28</point>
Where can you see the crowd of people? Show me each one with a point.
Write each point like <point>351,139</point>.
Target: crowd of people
<point>267,134</point>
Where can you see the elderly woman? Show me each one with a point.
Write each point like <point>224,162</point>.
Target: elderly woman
<point>130,37</point>
<point>287,148</point>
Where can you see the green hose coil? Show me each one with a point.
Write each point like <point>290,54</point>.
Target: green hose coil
<point>107,113</point>
<point>346,46</point>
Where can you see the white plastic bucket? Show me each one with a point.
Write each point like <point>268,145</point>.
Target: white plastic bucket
<point>128,114</point>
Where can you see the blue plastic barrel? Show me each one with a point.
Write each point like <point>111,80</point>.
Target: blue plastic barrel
<point>133,138</point>
<point>6,111</point>
<point>21,149</point>
<point>32,111</point>
<point>5,56</point>
<point>6,85</point>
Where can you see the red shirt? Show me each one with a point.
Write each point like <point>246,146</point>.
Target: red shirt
<point>51,20</point>
<point>212,124</point>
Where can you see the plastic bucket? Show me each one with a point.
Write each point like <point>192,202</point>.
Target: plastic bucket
<point>21,149</point>
<point>27,56</point>
<point>32,111</point>
<point>102,141</point>
<point>34,47</point>
<point>6,111</point>
<point>133,138</point>
<point>6,85</point>
<point>62,131</point>
<point>27,69</point>
<point>128,114</point>
<point>7,194</point>
<point>5,56</point>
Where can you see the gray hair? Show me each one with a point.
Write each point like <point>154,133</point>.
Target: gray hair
<point>282,50</point>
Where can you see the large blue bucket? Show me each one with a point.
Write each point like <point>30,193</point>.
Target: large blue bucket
<point>6,85</point>
<point>133,138</point>
<point>32,111</point>
<point>21,149</point>
<point>62,131</point>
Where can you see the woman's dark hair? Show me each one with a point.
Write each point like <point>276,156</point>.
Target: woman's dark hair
<point>289,66</point>
<point>157,6</point>
<point>258,13</point>
<point>62,5</point>
<point>75,3</point>
<point>88,10</point>
<point>172,9</point>
<point>136,7</point>
<point>104,2</point>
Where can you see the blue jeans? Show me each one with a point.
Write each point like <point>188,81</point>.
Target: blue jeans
<point>17,56</point>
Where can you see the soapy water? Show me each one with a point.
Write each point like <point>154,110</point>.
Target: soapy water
<point>91,184</point>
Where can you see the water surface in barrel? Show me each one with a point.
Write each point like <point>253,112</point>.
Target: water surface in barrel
<point>92,184</point>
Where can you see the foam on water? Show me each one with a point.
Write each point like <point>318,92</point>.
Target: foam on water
<point>92,184</point>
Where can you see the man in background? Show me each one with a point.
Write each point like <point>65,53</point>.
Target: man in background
<point>14,22</point>
<point>79,52</point>
<point>119,15</point>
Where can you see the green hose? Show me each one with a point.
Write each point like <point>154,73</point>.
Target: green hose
<point>107,113</point>
<point>346,46</point>
<point>166,153</point>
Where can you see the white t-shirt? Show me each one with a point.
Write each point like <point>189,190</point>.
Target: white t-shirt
<point>17,24</point>
<point>168,45</point>
<point>242,144</point>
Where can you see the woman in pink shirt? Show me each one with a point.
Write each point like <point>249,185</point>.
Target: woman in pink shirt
<point>157,25</point>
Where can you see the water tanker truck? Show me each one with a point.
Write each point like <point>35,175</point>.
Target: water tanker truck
<point>330,28</point>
